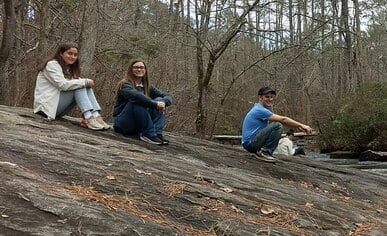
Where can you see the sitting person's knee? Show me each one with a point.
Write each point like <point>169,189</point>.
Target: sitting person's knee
<point>277,125</point>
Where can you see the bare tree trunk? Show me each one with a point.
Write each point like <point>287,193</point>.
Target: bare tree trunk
<point>304,13</point>
<point>202,26</point>
<point>88,37</point>
<point>301,31</point>
<point>346,32</point>
<point>279,25</point>
<point>258,28</point>
<point>137,13</point>
<point>299,21</point>
<point>44,19</point>
<point>322,19</point>
<point>291,23</point>
<point>303,73</point>
<point>16,87</point>
<point>9,29</point>
<point>336,79</point>
<point>215,52</point>
<point>359,67</point>
<point>323,68</point>
<point>186,62</point>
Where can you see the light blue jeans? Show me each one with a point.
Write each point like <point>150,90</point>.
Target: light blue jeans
<point>267,139</point>
<point>84,98</point>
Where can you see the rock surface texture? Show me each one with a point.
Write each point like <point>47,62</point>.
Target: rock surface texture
<point>60,179</point>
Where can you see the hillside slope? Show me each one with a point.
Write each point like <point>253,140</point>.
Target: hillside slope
<point>60,179</point>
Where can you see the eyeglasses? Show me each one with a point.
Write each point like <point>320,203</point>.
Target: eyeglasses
<point>138,67</point>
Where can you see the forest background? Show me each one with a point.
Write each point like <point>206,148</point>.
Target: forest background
<point>326,58</point>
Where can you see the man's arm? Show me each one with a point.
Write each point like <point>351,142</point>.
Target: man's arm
<point>291,123</point>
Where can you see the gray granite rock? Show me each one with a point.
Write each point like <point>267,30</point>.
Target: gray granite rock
<point>60,179</point>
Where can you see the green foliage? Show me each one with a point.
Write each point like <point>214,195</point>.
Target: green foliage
<point>112,54</point>
<point>360,122</point>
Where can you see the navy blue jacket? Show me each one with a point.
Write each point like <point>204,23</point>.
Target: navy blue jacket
<point>136,95</point>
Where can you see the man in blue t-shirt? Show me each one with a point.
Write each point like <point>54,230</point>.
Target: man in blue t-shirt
<point>262,128</point>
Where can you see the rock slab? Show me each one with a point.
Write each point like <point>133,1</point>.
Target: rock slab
<point>60,179</point>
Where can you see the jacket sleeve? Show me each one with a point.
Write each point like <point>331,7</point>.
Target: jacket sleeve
<point>289,146</point>
<point>53,73</point>
<point>155,93</point>
<point>137,97</point>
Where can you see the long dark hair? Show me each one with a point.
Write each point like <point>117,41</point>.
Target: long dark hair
<point>129,77</point>
<point>70,71</point>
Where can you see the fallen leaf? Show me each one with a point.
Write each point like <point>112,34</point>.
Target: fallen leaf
<point>309,205</point>
<point>143,172</point>
<point>23,197</point>
<point>227,190</point>
<point>236,209</point>
<point>266,209</point>
<point>110,177</point>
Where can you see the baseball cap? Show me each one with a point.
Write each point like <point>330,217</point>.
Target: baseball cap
<point>266,90</point>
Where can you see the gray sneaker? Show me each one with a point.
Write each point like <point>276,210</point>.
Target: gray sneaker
<point>266,157</point>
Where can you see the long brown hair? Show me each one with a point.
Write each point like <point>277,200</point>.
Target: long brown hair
<point>129,77</point>
<point>70,71</point>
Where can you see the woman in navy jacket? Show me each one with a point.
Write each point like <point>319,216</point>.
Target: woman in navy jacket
<point>140,107</point>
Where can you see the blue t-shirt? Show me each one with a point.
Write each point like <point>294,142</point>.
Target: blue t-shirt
<point>256,120</point>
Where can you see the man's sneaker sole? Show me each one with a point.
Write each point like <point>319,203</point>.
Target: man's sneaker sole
<point>163,140</point>
<point>264,158</point>
<point>148,140</point>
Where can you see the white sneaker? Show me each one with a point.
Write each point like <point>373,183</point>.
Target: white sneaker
<point>93,124</point>
<point>102,122</point>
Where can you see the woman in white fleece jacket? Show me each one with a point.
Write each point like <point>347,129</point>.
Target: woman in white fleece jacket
<point>59,88</point>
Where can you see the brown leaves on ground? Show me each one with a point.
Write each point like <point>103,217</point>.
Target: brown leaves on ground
<point>134,206</point>
<point>174,189</point>
<point>274,216</point>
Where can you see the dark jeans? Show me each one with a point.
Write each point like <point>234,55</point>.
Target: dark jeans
<point>299,151</point>
<point>135,119</point>
<point>267,139</point>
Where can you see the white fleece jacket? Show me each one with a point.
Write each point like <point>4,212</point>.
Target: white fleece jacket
<point>49,83</point>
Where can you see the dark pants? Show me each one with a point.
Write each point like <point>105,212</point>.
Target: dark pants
<point>299,151</point>
<point>135,119</point>
<point>267,139</point>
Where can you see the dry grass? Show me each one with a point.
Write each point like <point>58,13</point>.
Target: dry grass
<point>283,218</point>
<point>173,189</point>
<point>278,216</point>
<point>364,229</point>
<point>138,207</point>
